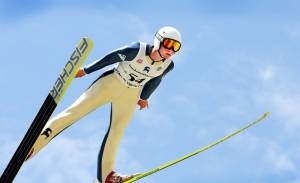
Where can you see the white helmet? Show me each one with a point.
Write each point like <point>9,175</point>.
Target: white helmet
<point>166,32</point>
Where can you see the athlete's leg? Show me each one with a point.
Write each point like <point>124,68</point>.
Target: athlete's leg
<point>121,113</point>
<point>93,97</point>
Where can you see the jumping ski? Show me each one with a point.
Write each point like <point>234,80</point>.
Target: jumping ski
<point>145,174</point>
<point>54,97</point>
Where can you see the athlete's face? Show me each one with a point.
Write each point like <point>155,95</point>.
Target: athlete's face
<point>166,53</point>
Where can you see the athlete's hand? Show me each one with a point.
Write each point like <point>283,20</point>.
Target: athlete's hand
<point>143,103</point>
<point>80,73</point>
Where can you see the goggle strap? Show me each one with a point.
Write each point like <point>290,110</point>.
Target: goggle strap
<point>159,37</point>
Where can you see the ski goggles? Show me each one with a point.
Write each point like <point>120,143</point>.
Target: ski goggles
<point>171,44</point>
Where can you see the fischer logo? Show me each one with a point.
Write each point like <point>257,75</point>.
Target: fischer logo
<point>69,69</point>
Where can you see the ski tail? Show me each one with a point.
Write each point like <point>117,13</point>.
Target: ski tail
<point>53,98</point>
<point>142,175</point>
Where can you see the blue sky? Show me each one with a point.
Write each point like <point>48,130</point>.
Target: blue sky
<point>238,60</point>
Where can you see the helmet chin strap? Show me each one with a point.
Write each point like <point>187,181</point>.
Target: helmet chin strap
<point>163,58</point>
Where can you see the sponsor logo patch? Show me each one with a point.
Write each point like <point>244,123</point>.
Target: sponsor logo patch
<point>47,132</point>
<point>122,57</point>
<point>139,61</point>
<point>159,68</point>
<point>147,69</point>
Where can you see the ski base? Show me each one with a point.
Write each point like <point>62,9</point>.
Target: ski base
<point>60,87</point>
<point>142,175</point>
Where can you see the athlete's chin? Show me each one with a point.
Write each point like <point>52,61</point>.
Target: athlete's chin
<point>167,56</point>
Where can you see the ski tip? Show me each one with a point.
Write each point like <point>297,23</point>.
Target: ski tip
<point>90,42</point>
<point>266,114</point>
<point>86,37</point>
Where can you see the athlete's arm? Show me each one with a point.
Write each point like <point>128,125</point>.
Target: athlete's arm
<point>126,53</point>
<point>152,84</point>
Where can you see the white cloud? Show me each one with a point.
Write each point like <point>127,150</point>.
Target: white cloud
<point>268,156</point>
<point>267,73</point>
<point>287,107</point>
<point>125,161</point>
<point>63,160</point>
<point>278,160</point>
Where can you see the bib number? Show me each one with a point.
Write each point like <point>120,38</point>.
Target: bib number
<point>135,78</point>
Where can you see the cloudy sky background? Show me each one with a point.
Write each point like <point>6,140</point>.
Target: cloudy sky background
<point>238,60</point>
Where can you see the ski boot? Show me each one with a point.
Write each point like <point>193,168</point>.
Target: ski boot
<point>114,177</point>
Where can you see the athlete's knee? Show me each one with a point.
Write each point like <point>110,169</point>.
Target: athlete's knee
<point>116,133</point>
<point>38,145</point>
<point>121,123</point>
<point>118,128</point>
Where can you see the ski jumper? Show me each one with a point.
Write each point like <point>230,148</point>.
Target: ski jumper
<point>135,77</point>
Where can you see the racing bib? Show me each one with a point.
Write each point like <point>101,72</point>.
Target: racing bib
<point>139,71</point>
